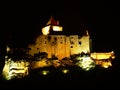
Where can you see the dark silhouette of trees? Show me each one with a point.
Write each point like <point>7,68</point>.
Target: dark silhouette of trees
<point>19,54</point>
<point>3,41</point>
<point>2,56</point>
<point>40,55</point>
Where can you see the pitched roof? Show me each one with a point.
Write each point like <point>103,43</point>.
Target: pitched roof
<point>52,21</point>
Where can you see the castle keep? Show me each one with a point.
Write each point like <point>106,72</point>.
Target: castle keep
<point>59,45</point>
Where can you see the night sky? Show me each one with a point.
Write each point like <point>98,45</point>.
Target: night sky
<point>22,21</point>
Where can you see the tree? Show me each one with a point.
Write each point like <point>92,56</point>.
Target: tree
<point>41,55</point>
<point>2,56</point>
<point>3,42</point>
<point>19,54</point>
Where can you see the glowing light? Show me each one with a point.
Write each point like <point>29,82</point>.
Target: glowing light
<point>45,30</point>
<point>100,56</point>
<point>5,71</point>
<point>86,63</point>
<point>57,28</point>
<point>15,69</point>
<point>87,33</point>
<point>45,72</point>
<point>106,64</point>
<point>8,49</point>
<point>65,71</point>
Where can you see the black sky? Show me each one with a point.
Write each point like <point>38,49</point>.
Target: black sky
<point>22,21</point>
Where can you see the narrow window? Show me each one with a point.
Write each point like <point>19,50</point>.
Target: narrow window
<point>80,42</point>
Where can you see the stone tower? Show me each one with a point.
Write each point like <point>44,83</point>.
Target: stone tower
<point>60,45</point>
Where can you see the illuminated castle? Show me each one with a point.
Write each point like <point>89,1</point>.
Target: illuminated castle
<point>59,45</point>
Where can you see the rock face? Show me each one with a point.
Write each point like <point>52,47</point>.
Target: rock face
<point>15,69</point>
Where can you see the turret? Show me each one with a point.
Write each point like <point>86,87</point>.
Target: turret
<point>52,27</point>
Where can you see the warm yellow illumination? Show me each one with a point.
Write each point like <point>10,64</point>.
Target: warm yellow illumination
<point>87,33</point>
<point>15,69</point>
<point>65,71</point>
<point>86,63</point>
<point>5,71</point>
<point>100,56</point>
<point>57,28</point>
<point>40,63</point>
<point>8,49</point>
<point>45,30</point>
<point>45,72</point>
<point>106,64</point>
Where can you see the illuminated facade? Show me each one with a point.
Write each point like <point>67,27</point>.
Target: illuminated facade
<point>59,46</point>
<point>103,59</point>
<point>15,69</point>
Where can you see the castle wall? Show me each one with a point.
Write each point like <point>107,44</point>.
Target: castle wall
<point>79,44</point>
<point>85,44</point>
<point>60,45</point>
